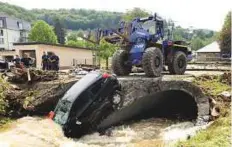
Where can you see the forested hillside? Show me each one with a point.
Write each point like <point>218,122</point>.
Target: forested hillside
<point>16,11</point>
<point>73,19</point>
<point>83,19</point>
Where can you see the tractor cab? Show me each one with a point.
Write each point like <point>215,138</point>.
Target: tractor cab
<point>148,28</point>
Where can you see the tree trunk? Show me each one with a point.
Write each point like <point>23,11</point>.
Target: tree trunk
<point>107,63</point>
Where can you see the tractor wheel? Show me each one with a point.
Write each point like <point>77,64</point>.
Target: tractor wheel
<point>152,62</point>
<point>118,63</point>
<point>177,65</point>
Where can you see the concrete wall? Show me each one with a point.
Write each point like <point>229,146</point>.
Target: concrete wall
<point>208,56</point>
<point>67,55</point>
<point>4,54</point>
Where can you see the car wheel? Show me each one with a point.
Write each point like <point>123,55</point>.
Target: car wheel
<point>117,100</point>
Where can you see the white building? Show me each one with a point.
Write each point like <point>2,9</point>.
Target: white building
<point>12,30</point>
<point>210,52</point>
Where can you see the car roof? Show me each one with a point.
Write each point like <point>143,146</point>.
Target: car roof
<point>81,85</point>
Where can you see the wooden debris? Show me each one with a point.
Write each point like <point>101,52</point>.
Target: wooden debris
<point>30,75</point>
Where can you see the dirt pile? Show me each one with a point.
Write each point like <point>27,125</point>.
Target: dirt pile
<point>226,78</point>
<point>38,97</point>
<point>30,75</point>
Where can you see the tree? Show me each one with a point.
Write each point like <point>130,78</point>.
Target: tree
<point>132,14</point>
<point>77,43</point>
<point>72,36</point>
<point>59,31</point>
<point>225,35</point>
<point>196,43</point>
<point>106,50</point>
<point>42,32</point>
<point>80,34</point>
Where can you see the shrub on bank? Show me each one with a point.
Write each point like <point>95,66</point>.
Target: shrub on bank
<point>4,86</point>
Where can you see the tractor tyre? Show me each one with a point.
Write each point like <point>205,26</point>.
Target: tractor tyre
<point>178,63</point>
<point>118,63</point>
<point>152,62</point>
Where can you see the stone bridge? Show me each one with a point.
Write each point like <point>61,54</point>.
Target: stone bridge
<point>168,96</point>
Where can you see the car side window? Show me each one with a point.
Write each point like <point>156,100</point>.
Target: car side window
<point>96,87</point>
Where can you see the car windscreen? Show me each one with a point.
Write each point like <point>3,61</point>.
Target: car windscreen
<point>62,111</point>
<point>65,103</point>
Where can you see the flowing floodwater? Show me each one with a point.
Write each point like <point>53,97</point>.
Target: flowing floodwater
<point>153,132</point>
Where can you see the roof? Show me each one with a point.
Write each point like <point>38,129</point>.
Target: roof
<point>12,23</point>
<point>40,43</point>
<point>211,48</point>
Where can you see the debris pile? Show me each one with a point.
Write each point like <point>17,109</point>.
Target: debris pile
<point>226,78</point>
<point>30,75</point>
<point>38,98</point>
<point>204,78</point>
<point>83,70</point>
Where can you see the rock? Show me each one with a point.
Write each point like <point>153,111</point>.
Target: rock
<point>215,112</point>
<point>226,78</point>
<point>15,87</point>
<point>213,102</point>
<point>226,94</point>
<point>206,118</point>
<point>200,121</point>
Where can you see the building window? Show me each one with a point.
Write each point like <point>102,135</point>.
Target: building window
<point>21,34</point>
<point>1,23</point>
<point>1,40</point>
<point>20,25</point>
<point>1,33</point>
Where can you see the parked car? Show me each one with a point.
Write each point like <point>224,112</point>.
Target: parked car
<point>87,103</point>
<point>5,66</point>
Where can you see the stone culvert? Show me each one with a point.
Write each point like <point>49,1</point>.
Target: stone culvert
<point>161,97</point>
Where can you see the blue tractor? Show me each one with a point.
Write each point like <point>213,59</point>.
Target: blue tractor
<point>143,43</point>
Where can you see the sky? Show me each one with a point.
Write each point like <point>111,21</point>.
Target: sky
<point>205,14</point>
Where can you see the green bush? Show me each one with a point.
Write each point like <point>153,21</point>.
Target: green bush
<point>4,86</point>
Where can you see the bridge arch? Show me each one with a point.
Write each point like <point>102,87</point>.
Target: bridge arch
<point>136,88</point>
<point>151,97</point>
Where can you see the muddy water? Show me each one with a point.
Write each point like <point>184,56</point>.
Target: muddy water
<point>37,132</point>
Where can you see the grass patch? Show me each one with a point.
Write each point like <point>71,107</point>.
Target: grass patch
<point>216,135</point>
<point>219,133</point>
<point>211,85</point>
